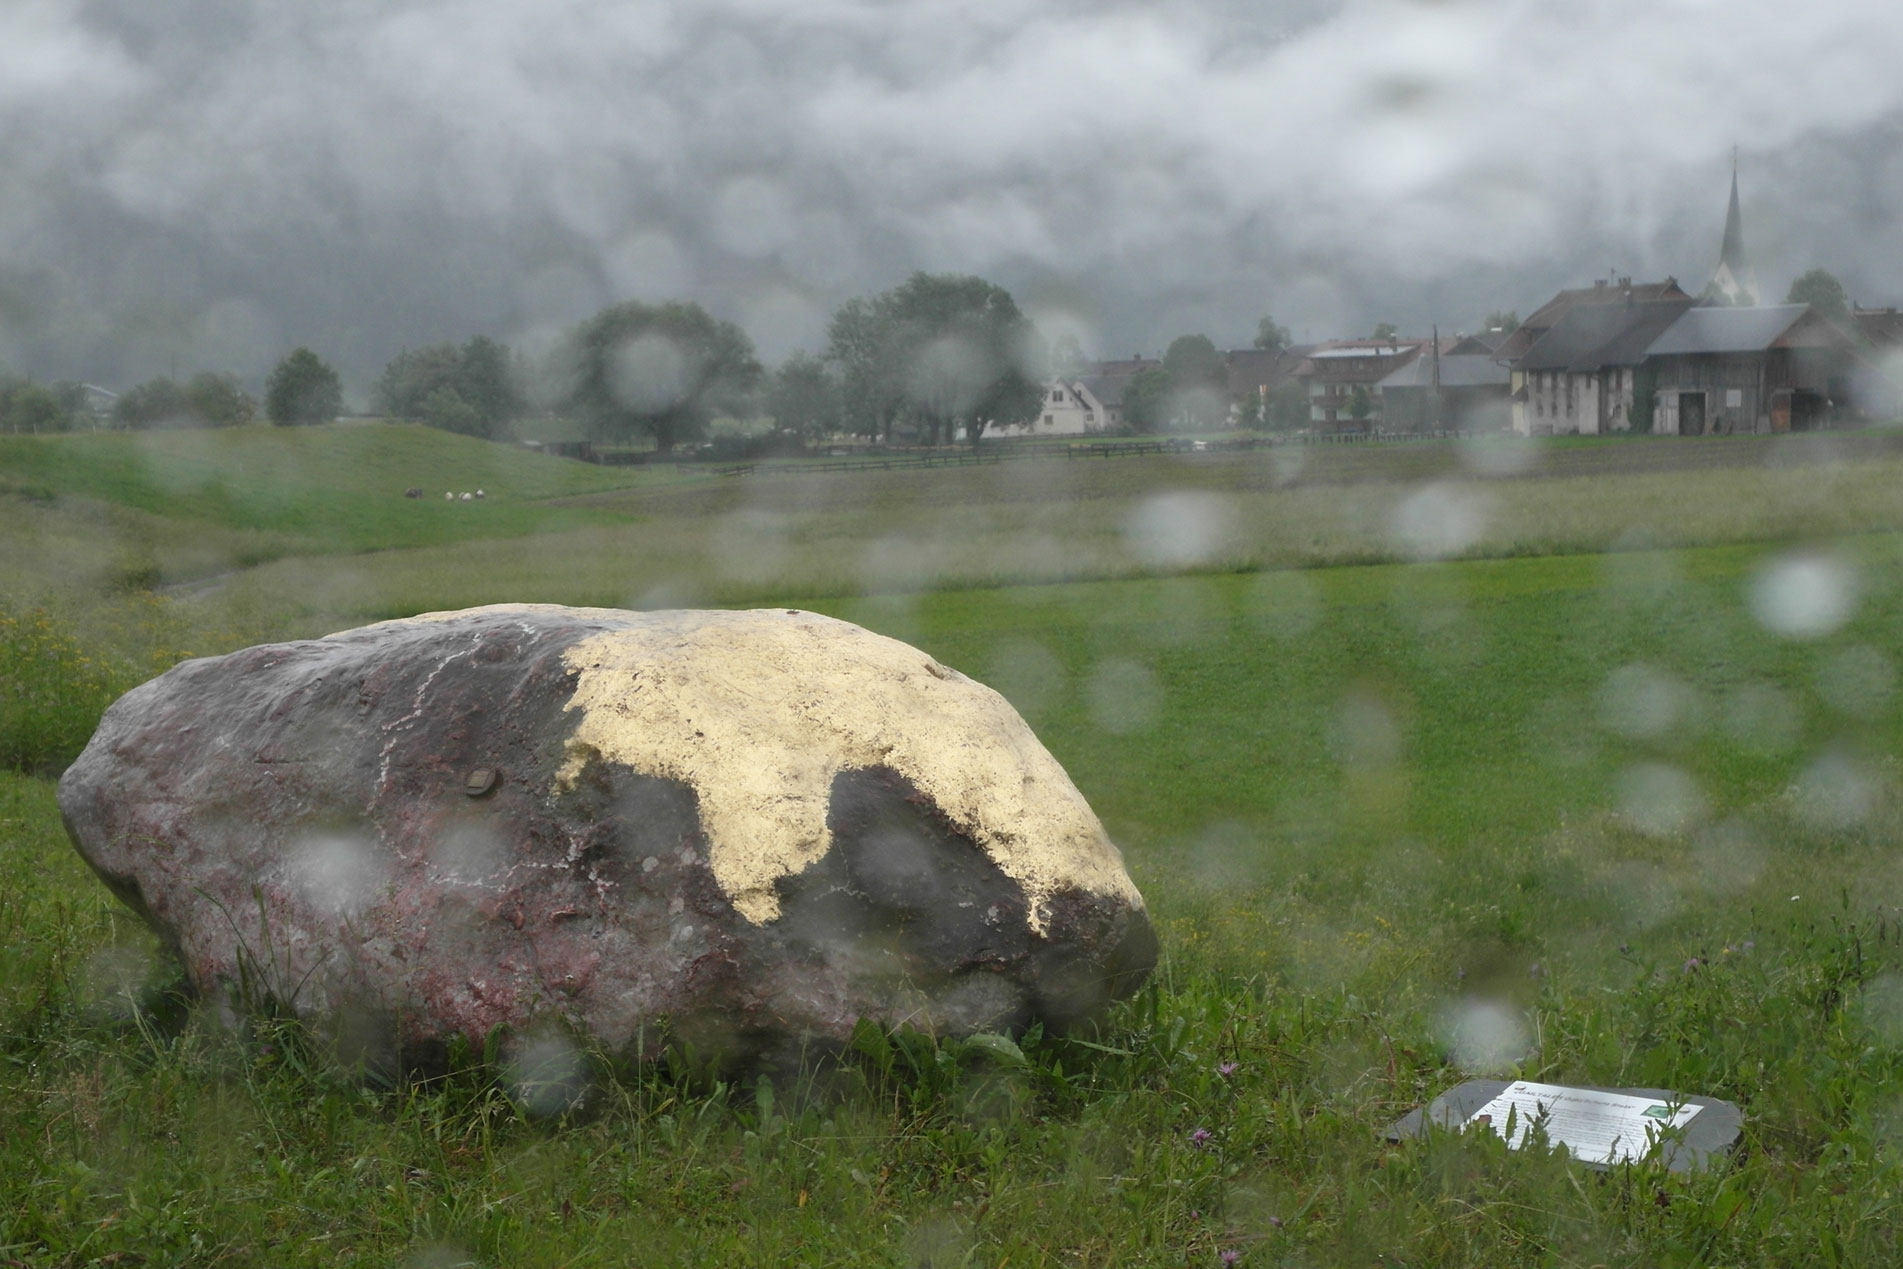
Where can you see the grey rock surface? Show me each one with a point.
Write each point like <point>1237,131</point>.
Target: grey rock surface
<point>741,830</point>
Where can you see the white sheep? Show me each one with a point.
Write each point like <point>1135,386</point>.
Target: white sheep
<point>448,496</point>
<point>480,495</point>
<point>468,497</point>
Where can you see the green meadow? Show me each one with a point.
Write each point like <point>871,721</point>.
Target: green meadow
<point>1573,762</point>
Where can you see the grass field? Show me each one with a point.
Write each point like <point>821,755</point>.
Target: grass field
<point>1618,816</point>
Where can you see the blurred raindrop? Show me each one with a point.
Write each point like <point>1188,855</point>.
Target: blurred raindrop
<point>1880,1009</point>
<point>1283,605</point>
<point>1763,719</point>
<point>1641,702</point>
<point>1485,1037</point>
<point>547,1075</point>
<point>1640,578</point>
<point>1496,454</point>
<point>115,975</point>
<point>1858,681</point>
<point>1027,674</point>
<point>1658,799</point>
<point>1837,792</point>
<point>750,545</point>
<point>1366,732</point>
<point>1728,856</point>
<point>1804,595</point>
<point>441,1256</point>
<point>469,853</point>
<point>1178,530</point>
<point>1124,696</point>
<point>336,875</point>
<point>649,373</point>
<point>1438,521</point>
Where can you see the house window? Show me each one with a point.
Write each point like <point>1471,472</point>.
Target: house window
<point>1048,419</point>
<point>1089,417</point>
<point>1056,395</point>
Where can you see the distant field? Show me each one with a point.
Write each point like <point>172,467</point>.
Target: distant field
<point>1615,801</point>
<point>756,540</point>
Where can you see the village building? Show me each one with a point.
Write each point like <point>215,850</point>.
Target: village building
<point>1261,373</point>
<point>1584,376</point>
<point>1733,282</point>
<point>1342,379</point>
<point>1083,404</point>
<point>1777,368</point>
<point>1519,342</point>
<point>1459,386</point>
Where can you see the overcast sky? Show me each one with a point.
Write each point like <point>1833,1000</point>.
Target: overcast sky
<point>207,183</point>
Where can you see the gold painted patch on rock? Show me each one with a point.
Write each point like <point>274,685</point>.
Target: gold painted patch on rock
<point>758,711</point>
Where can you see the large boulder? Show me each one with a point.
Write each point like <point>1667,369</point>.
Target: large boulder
<point>740,830</point>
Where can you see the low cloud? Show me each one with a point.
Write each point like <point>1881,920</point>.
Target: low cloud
<point>364,176</point>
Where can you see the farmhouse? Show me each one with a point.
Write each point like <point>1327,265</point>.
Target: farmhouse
<point>1085,403</point>
<point>1777,368</point>
<point>1583,376</point>
<point>1550,314</point>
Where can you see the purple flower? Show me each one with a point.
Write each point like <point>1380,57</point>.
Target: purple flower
<point>1200,1137</point>
<point>1228,1068</point>
<point>1230,1255</point>
<point>1275,1221</point>
<point>1692,965</point>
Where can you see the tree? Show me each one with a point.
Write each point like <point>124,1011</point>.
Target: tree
<point>407,382</point>
<point>660,370</point>
<point>1823,292</point>
<point>155,403</point>
<point>1146,400</point>
<point>208,400</point>
<point>1067,357</point>
<point>942,350</point>
<point>29,407</point>
<point>484,381</point>
<point>1287,409</point>
<point>215,400</point>
<point>863,344</point>
<point>444,408</point>
<point>1270,336</point>
<point>1198,381</point>
<point>1386,330</point>
<point>472,388</point>
<point>1506,321</point>
<point>301,390</point>
<point>802,397</point>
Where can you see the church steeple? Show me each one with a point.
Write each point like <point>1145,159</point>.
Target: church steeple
<point>1733,283</point>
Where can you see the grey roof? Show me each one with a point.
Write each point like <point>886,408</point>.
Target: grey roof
<point>1547,315</point>
<point>1728,330</point>
<point>1594,336</point>
<point>1457,370</point>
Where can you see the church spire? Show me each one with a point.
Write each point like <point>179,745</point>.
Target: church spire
<point>1734,282</point>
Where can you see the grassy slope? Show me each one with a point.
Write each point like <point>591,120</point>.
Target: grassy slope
<point>1358,799</point>
<point>336,487</point>
<point>1331,887</point>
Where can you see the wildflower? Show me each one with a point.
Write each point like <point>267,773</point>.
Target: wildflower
<point>1226,1069</point>
<point>1230,1255</point>
<point>1275,1222</point>
<point>1692,965</point>
<point>1200,1137</point>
